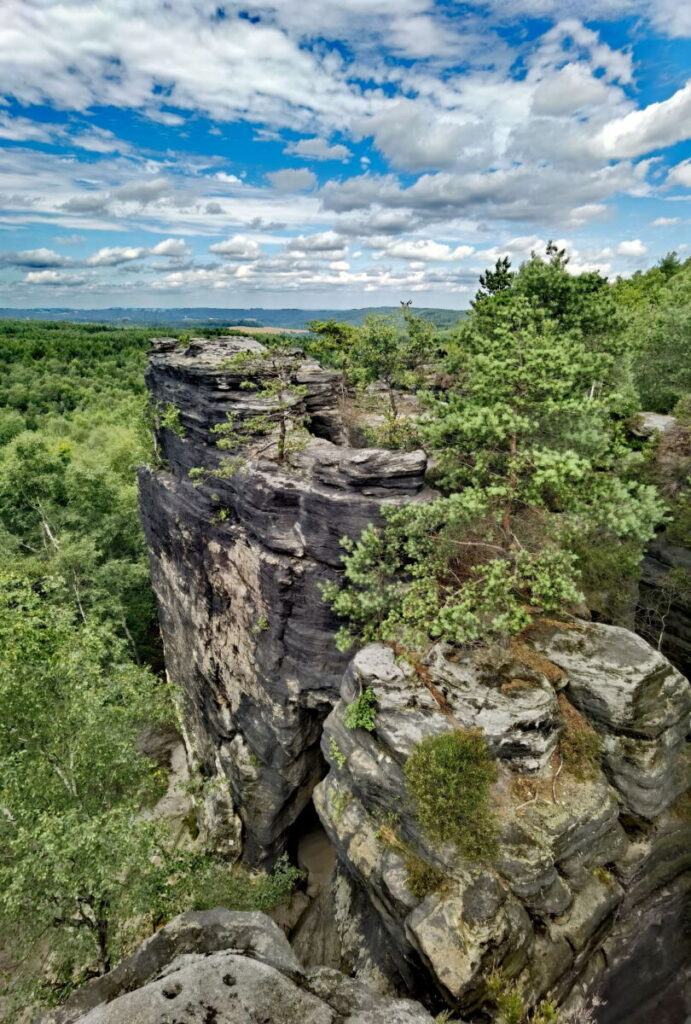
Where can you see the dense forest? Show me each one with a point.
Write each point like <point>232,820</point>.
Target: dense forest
<point>547,497</point>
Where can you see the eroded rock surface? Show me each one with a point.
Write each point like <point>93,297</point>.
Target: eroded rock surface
<point>580,859</point>
<point>236,567</point>
<point>589,875</point>
<point>218,967</point>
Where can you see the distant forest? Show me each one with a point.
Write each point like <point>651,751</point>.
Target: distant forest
<point>203,316</point>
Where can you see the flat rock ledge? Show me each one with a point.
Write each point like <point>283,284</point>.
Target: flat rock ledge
<point>223,967</point>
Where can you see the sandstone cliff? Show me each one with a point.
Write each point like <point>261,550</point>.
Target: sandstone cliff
<point>236,567</point>
<point>586,895</point>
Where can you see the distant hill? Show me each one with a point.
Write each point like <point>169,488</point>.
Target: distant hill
<point>203,316</point>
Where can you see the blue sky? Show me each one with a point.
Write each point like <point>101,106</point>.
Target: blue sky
<point>333,152</point>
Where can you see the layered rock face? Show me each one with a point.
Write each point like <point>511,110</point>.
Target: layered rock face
<point>586,895</point>
<point>236,567</point>
<point>589,875</point>
<point>218,967</point>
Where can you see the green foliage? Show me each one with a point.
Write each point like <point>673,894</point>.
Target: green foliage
<point>449,778</point>
<point>530,451</point>
<point>657,306</point>
<point>361,713</point>
<point>169,418</point>
<point>279,418</point>
<point>336,754</point>
<point>511,1006</point>
<point>387,352</point>
<point>84,870</point>
<point>332,343</point>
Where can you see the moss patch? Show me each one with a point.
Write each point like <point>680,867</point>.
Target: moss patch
<point>580,745</point>
<point>449,778</point>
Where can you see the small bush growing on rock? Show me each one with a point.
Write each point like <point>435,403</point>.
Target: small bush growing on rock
<point>361,713</point>
<point>449,779</point>
<point>170,419</point>
<point>335,753</point>
<point>511,1006</point>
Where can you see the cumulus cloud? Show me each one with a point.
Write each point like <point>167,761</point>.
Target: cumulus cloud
<point>169,247</point>
<point>665,222</point>
<point>318,149</point>
<point>53,277</point>
<point>146,191</point>
<point>239,247</point>
<point>681,174</point>
<point>655,126</point>
<point>632,247</point>
<point>85,203</point>
<point>292,179</point>
<point>34,258</point>
<point>427,251</point>
<point>323,241</point>
<point>113,256</point>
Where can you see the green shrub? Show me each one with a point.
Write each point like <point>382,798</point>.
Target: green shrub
<point>448,778</point>
<point>361,713</point>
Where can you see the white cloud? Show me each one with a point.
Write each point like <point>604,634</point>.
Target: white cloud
<point>239,247</point>
<point>170,247</point>
<point>324,241</point>
<point>227,179</point>
<point>427,251</point>
<point>318,149</point>
<point>292,179</point>
<point>632,247</point>
<point>664,222</point>
<point>112,256</point>
<point>53,277</point>
<point>655,126</point>
<point>146,191</point>
<point>34,258</point>
<point>681,174</point>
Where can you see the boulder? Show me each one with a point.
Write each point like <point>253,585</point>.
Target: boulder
<point>218,967</point>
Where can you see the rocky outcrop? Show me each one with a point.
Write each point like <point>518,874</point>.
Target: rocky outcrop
<point>663,614</point>
<point>218,967</point>
<point>589,874</point>
<point>580,859</point>
<point>236,566</point>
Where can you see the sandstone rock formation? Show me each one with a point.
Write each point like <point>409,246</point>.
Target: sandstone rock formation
<point>236,567</point>
<point>218,967</point>
<point>589,882</point>
<point>580,859</point>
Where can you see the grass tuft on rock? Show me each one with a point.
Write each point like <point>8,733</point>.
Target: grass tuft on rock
<point>580,745</point>
<point>449,778</point>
